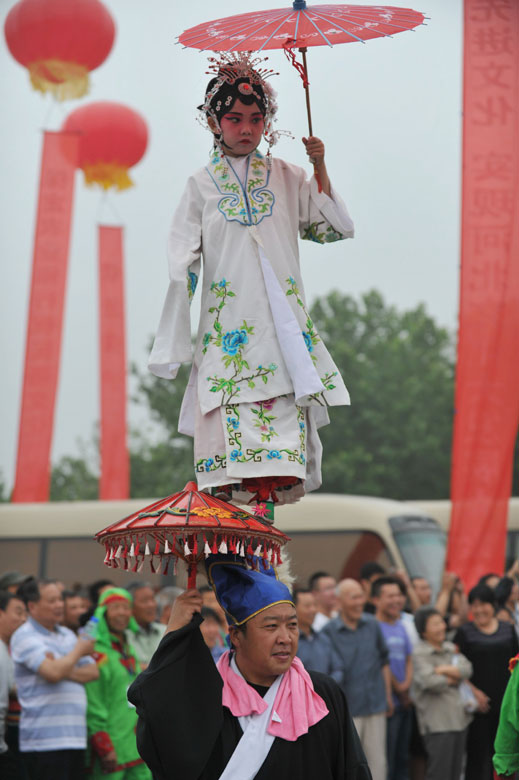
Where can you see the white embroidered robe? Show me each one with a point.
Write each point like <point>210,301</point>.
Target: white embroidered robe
<point>256,340</point>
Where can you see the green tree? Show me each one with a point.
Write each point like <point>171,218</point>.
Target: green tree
<point>74,479</point>
<point>395,439</point>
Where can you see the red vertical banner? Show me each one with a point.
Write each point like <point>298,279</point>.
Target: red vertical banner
<point>487,377</point>
<point>115,467</point>
<point>45,319</point>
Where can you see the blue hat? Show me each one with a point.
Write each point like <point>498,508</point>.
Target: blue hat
<point>243,592</point>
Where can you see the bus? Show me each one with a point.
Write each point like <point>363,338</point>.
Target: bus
<point>329,532</point>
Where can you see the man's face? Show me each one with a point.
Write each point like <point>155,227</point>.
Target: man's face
<point>12,618</point>
<point>144,606</point>
<point>306,610</point>
<point>118,614</point>
<point>74,608</point>
<point>324,593</point>
<point>269,644</point>
<point>352,599</point>
<point>49,610</point>
<point>389,601</point>
<point>423,590</point>
<point>210,629</point>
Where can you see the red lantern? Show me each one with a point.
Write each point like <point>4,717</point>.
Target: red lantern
<point>59,42</point>
<point>113,137</point>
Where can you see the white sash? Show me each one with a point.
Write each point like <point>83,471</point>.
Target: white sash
<point>304,376</point>
<point>253,748</point>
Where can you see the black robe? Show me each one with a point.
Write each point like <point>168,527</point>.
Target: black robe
<point>184,732</point>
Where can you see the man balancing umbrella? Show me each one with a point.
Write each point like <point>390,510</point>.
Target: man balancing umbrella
<point>258,713</point>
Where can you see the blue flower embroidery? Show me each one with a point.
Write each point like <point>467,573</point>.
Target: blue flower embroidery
<point>222,283</point>
<point>209,462</point>
<point>234,340</point>
<point>235,454</point>
<point>234,422</point>
<point>308,341</point>
<point>191,283</point>
<point>274,454</point>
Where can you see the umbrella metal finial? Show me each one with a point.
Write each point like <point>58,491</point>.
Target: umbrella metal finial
<point>299,5</point>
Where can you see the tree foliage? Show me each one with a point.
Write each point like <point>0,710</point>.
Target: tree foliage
<point>394,440</point>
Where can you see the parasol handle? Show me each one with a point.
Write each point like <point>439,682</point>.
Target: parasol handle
<point>191,576</point>
<point>309,112</point>
<point>307,93</point>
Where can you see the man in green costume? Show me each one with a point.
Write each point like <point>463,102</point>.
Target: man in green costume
<point>506,745</point>
<point>111,720</point>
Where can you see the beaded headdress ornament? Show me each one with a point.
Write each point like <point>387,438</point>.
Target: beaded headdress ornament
<point>229,68</point>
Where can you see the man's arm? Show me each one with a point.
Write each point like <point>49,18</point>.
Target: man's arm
<point>56,669</point>
<point>386,673</point>
<point>85,673</point>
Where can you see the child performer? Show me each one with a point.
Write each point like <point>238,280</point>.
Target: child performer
<point>261,379</point>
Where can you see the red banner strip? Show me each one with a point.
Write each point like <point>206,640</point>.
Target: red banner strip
<point>115,467</point>
<point>487,381</point>
<point>45,320</point>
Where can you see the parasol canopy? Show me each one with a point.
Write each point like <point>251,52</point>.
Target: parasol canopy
<point>189,526</point>
<point>302,26</point>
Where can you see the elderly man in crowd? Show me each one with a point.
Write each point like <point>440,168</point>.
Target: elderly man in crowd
<point>366,681</point>
<point>51,668</point>
<point>146,638</point>
<point>314,648</point>
<point>258,713</point>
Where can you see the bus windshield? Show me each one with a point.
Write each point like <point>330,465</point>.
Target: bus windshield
<point>422,543</point>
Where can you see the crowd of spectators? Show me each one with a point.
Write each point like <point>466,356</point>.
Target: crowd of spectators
<point>423,677</point>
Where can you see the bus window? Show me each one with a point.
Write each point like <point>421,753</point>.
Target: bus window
<point>341,553</point>
<point>422,543</point>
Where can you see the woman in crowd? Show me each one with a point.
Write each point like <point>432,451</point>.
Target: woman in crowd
<point>489,644</point>
<point>438,671</point>
<point>111,721</point>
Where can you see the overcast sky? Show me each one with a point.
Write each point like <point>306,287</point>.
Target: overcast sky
<point>389,112</point>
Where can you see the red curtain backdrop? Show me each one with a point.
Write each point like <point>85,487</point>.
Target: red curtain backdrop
<point>115,469</point>
<point>487,382</point>
<point>45,320</point>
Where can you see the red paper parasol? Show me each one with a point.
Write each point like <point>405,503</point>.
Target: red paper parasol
<point>189,526</point>
<point>300,27</point>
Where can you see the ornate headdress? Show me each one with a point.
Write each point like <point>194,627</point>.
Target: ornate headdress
<point>237,75</point>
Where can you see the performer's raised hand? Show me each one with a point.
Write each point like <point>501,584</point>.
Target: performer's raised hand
<point>183,609</point>
<point>315,151</point>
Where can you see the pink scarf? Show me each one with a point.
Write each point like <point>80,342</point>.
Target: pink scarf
<point>297,704</point>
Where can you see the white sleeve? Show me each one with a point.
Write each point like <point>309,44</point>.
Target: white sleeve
<point>172,345</point>
<point>322,219</point>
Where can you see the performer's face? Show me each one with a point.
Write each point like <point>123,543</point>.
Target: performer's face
<point>242,128</point>
<point>268,646</point>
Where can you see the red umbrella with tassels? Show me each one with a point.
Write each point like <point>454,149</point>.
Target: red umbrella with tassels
<point>189,526</point>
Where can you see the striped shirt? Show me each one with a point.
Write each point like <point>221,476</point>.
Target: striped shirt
<point>53,714</point>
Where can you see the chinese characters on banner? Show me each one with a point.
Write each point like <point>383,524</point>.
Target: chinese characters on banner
<point>45,317</point>
<point>487,377</point>
<point>115,467</point>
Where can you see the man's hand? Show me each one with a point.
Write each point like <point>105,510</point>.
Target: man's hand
<point>314,149</point>
<point>85,646</point>
<point>482,699</point>
<point>183,610</point>
<point>108,762</point>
